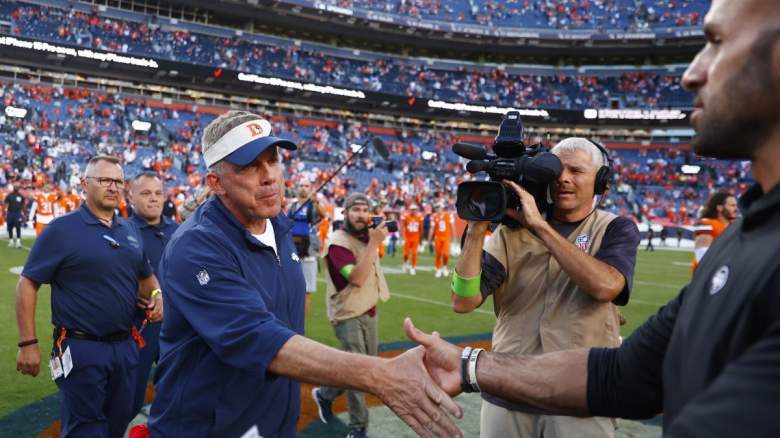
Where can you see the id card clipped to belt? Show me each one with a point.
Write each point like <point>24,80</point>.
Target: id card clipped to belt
<point>61,366</point>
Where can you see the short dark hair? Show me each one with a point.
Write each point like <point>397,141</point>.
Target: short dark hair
<point>710,210</point>
<point>145,174</point>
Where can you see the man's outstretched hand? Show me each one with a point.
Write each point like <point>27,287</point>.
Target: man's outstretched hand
<point>442,359</point>
<point>408,390</point>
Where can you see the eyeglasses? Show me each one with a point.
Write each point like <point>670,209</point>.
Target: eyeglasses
<point>106,182</point>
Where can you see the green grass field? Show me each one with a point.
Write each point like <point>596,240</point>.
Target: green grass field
<point>658,278</point>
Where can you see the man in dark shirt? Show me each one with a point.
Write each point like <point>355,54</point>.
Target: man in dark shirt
<point>709,359</point>
<point>146,197</point>
<point>14,208</point>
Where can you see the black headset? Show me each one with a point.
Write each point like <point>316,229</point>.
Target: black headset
<point>604,174</point>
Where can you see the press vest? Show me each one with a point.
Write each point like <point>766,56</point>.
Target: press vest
<point>353,301</point>
<point>539,308</point>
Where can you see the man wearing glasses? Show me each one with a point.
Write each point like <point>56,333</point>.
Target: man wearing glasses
<point>98,270</point>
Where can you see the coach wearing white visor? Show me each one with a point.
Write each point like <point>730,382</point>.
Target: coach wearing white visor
<point>232,348</point>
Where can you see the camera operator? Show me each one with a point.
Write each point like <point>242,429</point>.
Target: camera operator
<point>555,281</point>
<point>355,283</point>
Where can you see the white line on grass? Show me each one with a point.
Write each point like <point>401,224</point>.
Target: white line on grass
<point>437,303</point>
<point>652,283</point>
<point>423,300</point>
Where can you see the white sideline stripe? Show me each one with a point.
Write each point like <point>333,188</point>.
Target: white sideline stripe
<point>437,303</point>
<point>648,303</point>
<point>651,283</point>
<point>423,300</point>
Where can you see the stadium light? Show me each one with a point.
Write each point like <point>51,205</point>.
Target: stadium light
<point>12,111</point>
<point>690,169</point>
<point>139,125</point>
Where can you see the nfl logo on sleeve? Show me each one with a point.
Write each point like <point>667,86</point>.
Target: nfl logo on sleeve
<point>582,242</point>
<point>203,277</point>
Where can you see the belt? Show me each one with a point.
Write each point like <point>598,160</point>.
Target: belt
<point>77,334</point>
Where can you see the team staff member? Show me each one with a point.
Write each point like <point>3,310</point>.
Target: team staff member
<point>97,268</point>
<point>14,212</point>
<point>305,212</point>
<point>708,359</point>
<point>147,197</point>
<point>718,213</point>
<point>231,346</point>
<point>411,226</point>
<point>442,226</point>
<point>554,281</point>
<point>355,285</point>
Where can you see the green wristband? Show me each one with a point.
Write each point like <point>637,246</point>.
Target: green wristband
<point>466,287</point>
<point>346,270</point>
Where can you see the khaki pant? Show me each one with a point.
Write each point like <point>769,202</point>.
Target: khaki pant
<point>497,422</point>
<point>357,335</point>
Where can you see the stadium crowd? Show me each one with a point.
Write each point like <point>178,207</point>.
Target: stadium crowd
<point>627,15</point>
<point>45,153</point>
<point>398,76</point>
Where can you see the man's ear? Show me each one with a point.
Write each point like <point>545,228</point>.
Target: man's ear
<point>214,182</point>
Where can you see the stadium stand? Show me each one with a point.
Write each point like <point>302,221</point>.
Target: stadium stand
<point>65,126</point>
<point>529,87</point>
<point>558,14</point>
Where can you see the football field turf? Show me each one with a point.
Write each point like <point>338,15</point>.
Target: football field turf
<point>659,277</point>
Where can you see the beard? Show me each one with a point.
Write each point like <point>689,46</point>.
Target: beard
<point>351,229</point>
<point>737,122</point>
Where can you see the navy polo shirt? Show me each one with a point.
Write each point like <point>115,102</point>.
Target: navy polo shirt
<point>231,304</point>
<point>93,270</point>
<point>154,236</point>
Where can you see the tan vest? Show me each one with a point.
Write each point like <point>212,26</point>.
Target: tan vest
<point>538,307</point>
<point>353,301</point>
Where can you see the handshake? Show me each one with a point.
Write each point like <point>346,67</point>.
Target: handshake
<point>432,375</point>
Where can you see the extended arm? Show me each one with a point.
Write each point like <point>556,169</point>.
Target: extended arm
<point>469,265</point>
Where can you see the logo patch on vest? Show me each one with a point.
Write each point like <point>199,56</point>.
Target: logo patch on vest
<point>203,277</point>
<point>295,257</point>
<point>719,280</point>
<point>582,242</point>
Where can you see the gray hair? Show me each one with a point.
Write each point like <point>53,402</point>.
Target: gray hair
<point>220,126</point>
<point>573,144</point>
<point>98,158</point>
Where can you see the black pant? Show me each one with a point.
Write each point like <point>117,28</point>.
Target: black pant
<point>14,222</point>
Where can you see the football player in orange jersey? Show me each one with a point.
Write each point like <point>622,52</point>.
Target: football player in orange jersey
<point>43,209</point>
<point>442,226</point>
<point>720,211</point>
<point>412,222</point>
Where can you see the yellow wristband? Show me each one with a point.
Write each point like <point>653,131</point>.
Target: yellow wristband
<point>155,293</point>
<point>465,287</point>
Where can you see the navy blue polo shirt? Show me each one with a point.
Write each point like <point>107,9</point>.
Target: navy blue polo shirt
<point>93,270</point>
<point>231,304</point>
<point>154,236</point>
